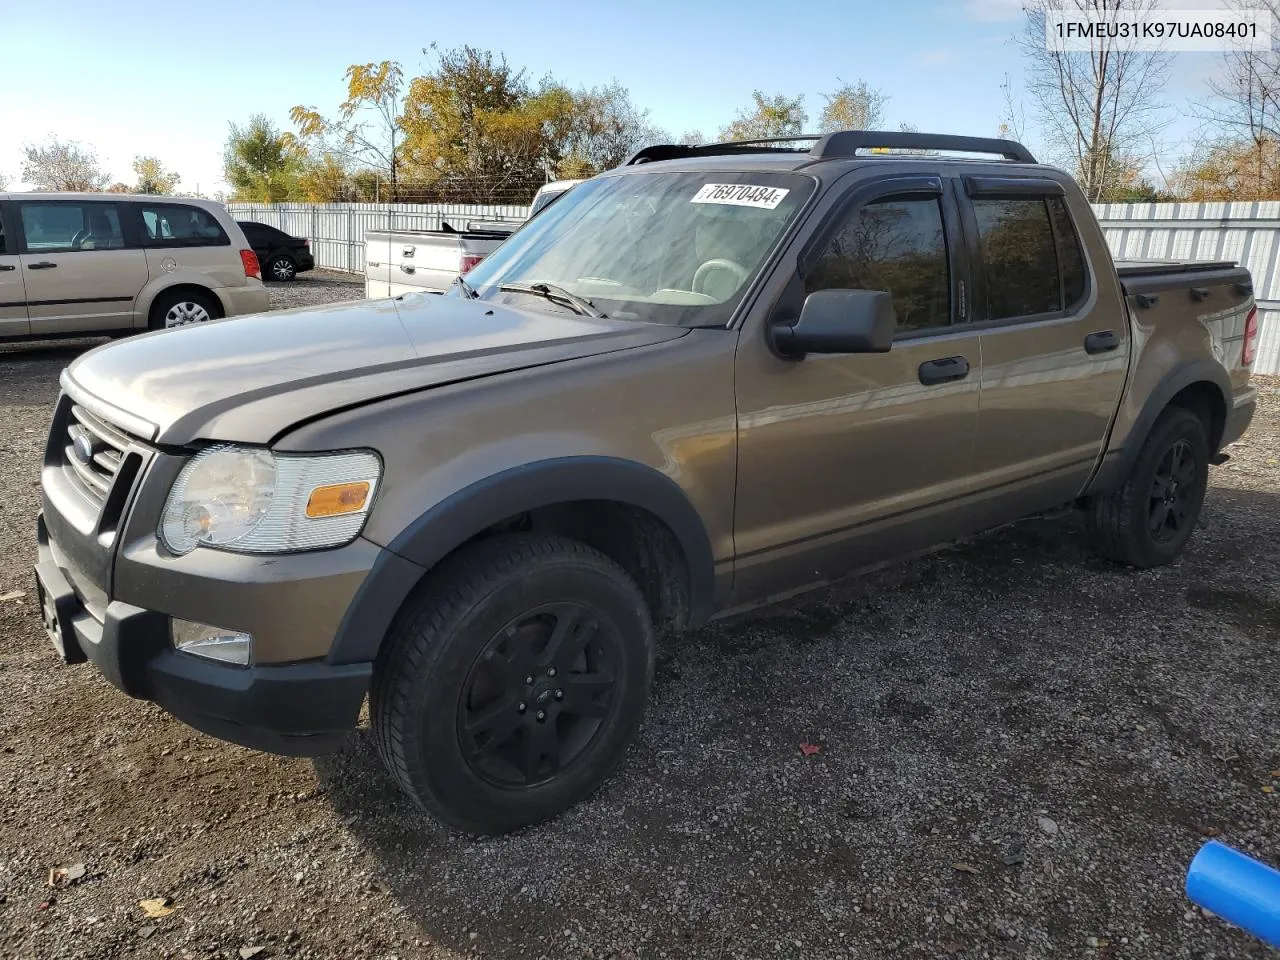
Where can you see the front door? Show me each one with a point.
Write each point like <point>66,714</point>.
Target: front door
<point>1054,357</point>
<point>848,460</point>
<point>13,296</point>
<point>80,274</point>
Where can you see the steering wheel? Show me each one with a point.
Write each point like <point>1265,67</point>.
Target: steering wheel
<point>80,237</point>
<point>700,275</point>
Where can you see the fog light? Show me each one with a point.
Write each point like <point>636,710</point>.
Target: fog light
<point>212,643</point>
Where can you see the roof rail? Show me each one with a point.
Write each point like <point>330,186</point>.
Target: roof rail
<point>842,143</point>
<point>847,143</point>
<point>674,151</point>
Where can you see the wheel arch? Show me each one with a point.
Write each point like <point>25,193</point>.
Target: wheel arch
<point>1201,386</point>
<point>633,513</point>
<point>150,298</point>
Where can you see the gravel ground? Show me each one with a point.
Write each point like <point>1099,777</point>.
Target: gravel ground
<point>1021,748</point>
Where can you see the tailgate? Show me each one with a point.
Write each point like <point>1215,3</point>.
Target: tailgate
<point>397,263</point>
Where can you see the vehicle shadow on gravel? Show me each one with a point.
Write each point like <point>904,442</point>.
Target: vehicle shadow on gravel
<point>959,703</point>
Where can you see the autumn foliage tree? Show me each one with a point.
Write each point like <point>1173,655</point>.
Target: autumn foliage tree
<point>769,116</point>
<point>153,178</point>
<point>367,129</point>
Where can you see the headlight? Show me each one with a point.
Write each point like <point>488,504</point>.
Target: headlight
<point>254,501</point>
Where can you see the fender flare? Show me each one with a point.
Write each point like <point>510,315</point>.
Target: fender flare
<point>456,519</point>
<point>1171,384</point>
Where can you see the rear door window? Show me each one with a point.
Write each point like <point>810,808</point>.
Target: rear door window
<point>1075,275</point>
<point>68,227</point>
<point>1020,257</point>
<point>178,225</point>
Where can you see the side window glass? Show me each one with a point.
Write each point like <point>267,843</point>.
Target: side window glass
<point>3,248</point>
<point>67,227</point>
<point>177,225</point>
<point>1019,257</point>
<point>895,245</point>
<point>1070,256</point>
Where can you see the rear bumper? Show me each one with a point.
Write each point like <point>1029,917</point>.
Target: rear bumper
<point>297,709</point>
<point>1243,405</point>
<point>250,298</point>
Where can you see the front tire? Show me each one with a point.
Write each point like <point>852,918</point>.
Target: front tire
<point>510,686</point>
<point>1149,519</point>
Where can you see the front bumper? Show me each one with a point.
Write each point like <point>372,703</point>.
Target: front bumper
<point>296,709</point>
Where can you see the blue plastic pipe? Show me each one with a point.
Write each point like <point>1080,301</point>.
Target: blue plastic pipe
<point>1237,888</point>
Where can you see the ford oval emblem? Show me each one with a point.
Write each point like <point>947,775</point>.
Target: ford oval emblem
<point>83,448</point>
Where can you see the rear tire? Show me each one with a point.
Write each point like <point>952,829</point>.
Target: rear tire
<point>1148,520</point>
<point>510,686</point>
<point>282,268</point>
<point>183,307</point>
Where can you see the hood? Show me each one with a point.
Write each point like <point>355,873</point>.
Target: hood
<point>248,379</point>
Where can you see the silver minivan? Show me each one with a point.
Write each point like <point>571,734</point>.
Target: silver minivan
<point>106,264</point>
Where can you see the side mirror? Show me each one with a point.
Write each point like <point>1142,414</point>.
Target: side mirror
<point>839,321</point>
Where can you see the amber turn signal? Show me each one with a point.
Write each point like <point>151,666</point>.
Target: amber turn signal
<point>337,498</point>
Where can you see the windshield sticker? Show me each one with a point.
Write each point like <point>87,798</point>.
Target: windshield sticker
<point>740,195</point>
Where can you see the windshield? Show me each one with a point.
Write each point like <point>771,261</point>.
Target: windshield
<point>677,248</point>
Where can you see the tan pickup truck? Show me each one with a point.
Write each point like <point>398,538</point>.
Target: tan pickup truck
<point>711,378</point>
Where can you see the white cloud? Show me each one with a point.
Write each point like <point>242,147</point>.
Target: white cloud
<point>993,11</point>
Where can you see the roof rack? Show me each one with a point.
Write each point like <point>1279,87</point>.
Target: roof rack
<point>842,143</point>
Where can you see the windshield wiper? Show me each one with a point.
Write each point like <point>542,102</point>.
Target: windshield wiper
<point>467,289</point>
<point>556,294</point>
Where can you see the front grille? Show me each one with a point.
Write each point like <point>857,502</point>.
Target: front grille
<point>94,451</point>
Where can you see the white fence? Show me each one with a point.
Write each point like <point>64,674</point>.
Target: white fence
<point>1245,232</point>
<point>336,230</point>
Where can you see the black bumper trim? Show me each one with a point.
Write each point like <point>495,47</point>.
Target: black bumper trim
<point>298,709</point>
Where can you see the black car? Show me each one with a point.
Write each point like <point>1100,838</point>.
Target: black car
<point>282,256</point>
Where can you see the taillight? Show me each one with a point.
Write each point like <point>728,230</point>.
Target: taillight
<point>469,260</point>
<point>1250,337</point>
<point>251,266</point>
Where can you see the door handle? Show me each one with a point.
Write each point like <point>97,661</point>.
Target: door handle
<point>4,267</point>
<point>1101,342</point>
<point>42,265</point>
<point>943,370</point>
<point>1199,294</point>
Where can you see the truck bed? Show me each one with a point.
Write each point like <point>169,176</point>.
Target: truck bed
<point>1152,276</point>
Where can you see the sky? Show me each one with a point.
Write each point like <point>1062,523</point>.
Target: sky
<point>167,79</point>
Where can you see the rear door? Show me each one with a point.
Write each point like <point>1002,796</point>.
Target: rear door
<point>1054,351</point>
<point>80,273</point>
<point>13,296</point>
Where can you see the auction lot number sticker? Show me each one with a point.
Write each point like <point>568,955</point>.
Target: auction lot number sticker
<point>740,195</point>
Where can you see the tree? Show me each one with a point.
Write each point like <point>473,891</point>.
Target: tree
<point>1097,105</point>
<point>62,165</point>
<point>368,129</point>
<point>154,178</point>
<point>260,162</point>
<point>604,127</point>
<point>1231,169</point>
<point>1013,125</point>
<point>775,116</point>
<point>853,106</point>
<point>692,138</point>
<point>5,180</point>
<point>1244,109</point>
<point>324,180</point>
<point>476,124</point>
<point>119,187</point>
